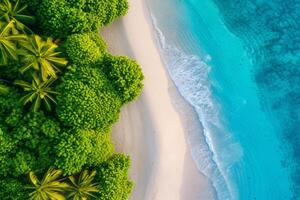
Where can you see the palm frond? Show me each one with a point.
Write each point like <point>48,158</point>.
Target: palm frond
<point>3,89</point>
<point>37,92</point>
<point>49,187</point>
<point>8,42</point>
<point>41,56</point>
<point>16,13</point>
<point>84,187</point>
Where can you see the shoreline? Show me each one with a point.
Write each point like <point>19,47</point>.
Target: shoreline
<point>151,130</point>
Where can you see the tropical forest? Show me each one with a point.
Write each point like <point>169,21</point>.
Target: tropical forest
<point>61,91</point>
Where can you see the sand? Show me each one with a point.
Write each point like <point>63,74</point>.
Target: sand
<point>150,129</point>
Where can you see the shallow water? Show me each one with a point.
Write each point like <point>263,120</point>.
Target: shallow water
<point>237,63</point>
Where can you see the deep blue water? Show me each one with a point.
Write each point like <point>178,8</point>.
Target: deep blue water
<point>238,64</point>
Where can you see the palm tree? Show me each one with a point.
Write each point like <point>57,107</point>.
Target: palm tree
<point>83,188</point>
<point>8,41</point>
<point>17,14</point>
<point>41,55</point>
<point>49,188</point>
<point>38,91</point>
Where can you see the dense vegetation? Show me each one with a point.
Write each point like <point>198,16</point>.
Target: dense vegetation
<point>60,93</point>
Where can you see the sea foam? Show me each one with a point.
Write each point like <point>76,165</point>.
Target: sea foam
<point>190,74</point>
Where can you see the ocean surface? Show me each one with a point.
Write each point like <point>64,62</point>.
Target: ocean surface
<point>237,62</point>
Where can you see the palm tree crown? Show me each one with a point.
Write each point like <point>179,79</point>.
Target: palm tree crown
<point>37,91</point>
<point>41,56</point>
<point>83,188</point>
<point>17,14</point>
<point>49,188</point>
<point>8,42</point>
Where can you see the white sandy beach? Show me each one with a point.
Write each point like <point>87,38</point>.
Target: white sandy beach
<point>150,129</point>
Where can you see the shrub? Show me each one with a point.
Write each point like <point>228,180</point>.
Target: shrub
<point>12,189</point>
<point>76,3</point>
<point>26,140</point>
<point>126,75</point>
<point>88,100</point>
<point>7,145</point>
<point>72,152</point>
<point>102,148</point>
<point>85,48</point>
<point>91,92</point>
<point>61,18</point>
<point>112,177</point>
<point>108,10</point>
<point>33,126</point>
<point>22,163</point>
<point>79,148</point>
<point>122,7</point>
<point>10,71</point>
<point>50,16</point>
<point>32,148</point>
<point>9,104</point>
<point>50,128</point>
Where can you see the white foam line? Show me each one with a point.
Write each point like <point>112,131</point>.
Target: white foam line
<point>205,108</point>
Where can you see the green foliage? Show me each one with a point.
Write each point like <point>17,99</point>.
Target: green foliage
<point>17,14</point>
<point>42,56</point>
<point>49,187</point>
<point>26,140</point>
<point>7,145</point>
<point>84,187</point>
<point>23,163</point>
<point>88,100</point>
<point>33,133</point>
<point>50,128</point>
<point>61,18</point>
<point>79,148</point>
<point>113,179</point>
<point>4,89</point>
<point>8,42</point>
<point>10,72</point>
<point>89,93</point>
<point>9,105</point>
<point>53,186</point>
<point>102,148</point>
<point>72,152</point>
<point>12,189</point>
<point>108,10</point>
<point>32,5</point>
<point>37,92</point>
<point>13,18</point>
<point>122,7</point>
<point>75,3</point>
<point>85,48</point>
<point>126,75</point>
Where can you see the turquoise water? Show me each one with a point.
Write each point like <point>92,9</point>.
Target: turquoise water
<point>238,64</point>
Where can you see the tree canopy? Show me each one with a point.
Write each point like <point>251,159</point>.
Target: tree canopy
<point>126,76</point>
<point>87,100</point>
<point>61,91</point>
<point>85,49</point>
<point>61,18</point>
<point>113,178</point>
